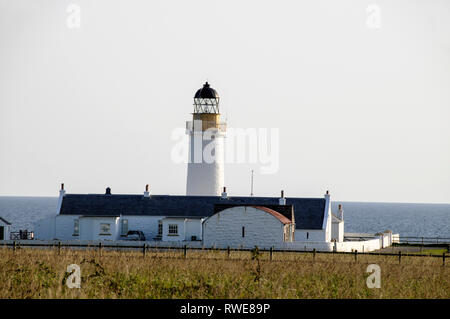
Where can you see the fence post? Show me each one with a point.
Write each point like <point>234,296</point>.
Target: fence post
<point>356,254</point>
<point>271,253</point>
<point>14,246</point>
<point>185,251</point>
<point>228,252</point>
<point>399,256</point>
<point>59,248</point>
<point>443,258</point>
<point>100,248</point>
<point>144,250</point>
<point>314,254</point>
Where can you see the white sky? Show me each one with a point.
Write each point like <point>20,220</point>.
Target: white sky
<point>362,112</point>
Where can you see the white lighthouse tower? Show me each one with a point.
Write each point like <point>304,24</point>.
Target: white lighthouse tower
<point>205,174</point>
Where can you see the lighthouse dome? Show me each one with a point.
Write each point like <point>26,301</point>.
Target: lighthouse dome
<point>206,92</point>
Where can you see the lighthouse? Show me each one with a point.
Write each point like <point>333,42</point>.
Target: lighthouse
<point>205,175</point>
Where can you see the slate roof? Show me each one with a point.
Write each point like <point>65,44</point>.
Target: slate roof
<point>309,212</point>
<point>5,221</point>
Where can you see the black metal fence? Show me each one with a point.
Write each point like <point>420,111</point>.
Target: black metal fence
<point>144,248</point>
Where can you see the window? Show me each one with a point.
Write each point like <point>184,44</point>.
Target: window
<point>243,231</point>
<point>160,228</point>
<point>124,227</point>
<point>173,229</point>
<point>76,227</point>
<point>105,229</point>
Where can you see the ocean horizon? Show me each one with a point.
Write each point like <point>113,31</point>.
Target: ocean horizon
<point>406,219</point>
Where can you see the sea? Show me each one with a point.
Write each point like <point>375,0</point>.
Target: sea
<point>406,219</point>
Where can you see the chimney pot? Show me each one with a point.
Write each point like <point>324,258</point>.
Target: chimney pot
<point>224,193</point>
<point>282,200</point>
<point>108,191</point>
<point>62,186</point>
<point>341,212</point>
<point>147,193</point>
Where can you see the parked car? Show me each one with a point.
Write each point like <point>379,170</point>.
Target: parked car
<point>135,235</point>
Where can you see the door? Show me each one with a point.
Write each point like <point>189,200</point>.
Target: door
<point>2,232</point>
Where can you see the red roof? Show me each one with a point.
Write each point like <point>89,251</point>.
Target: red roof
<point>276,214</point>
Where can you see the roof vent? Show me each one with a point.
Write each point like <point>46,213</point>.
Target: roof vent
<point>108,191</point>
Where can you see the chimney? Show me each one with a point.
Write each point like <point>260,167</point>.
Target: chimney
<point>108,191</point>
<point>282,200</point>
<point>341,212</point>
<point>147,192</point>
<point>224,193</point>
<point>62,192</point>
<point>327,195</point>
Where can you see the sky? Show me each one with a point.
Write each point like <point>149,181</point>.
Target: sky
<point>360,96</point>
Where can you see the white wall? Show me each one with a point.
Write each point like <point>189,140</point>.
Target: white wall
<point>347,246</point>
<point>181,229</point>
<point>90,228</point>
<point>225,229</point>
<point>64,227</point>
<point>44,229</point>
<point>60,227</point>
<point>311,235</point>
<point>147,224</point>
<point>193,227</point>
<point>337,231</point>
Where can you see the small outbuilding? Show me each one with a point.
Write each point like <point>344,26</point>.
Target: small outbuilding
<point>249,226</point>
<point>5,229</point>
<point>337,226</point>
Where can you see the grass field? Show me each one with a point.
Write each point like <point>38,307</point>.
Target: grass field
<point>35,273</point>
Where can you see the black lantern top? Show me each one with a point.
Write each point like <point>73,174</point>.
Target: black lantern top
<point>206,92</point>
<point>206,100</point>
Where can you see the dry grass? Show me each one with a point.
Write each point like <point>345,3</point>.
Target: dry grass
<point>33,273</point>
